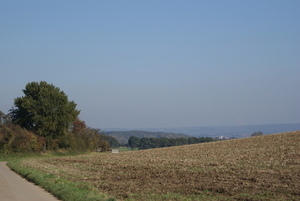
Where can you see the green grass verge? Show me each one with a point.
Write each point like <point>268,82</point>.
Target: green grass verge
<point>58,153</point>
<point>122,149</point>
<point>61,188</point>
<point>11,156</point>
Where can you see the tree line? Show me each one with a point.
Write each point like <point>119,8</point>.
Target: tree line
<point>44,119</point>
<point>123,136</point>
<point>148,143</point>
<point>259,133</point>
<point>14,138</point>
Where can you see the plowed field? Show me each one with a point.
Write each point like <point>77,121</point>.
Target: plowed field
<point>257,168</point>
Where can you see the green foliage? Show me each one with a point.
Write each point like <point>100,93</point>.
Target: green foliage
<point>256,134</point>
<point>134,142</point>
<point>123,136</point>
<point>18,155</point>
<point>145,143</point>
<point>86,139</point>
<point>113,142</point>
<point>45,110</point>
<point>104,145</point>
<point>148,143</point>
<point>13,138</point>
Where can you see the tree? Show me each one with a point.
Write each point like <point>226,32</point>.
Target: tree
<point>193,140</point>
<point>113,142</point>
<point>89,139</point>
<point>45,110</point>
<point>145,143</point>
<point>155,142</point>
<point>1,117</point>
<point>134,142</point>
<point>165,142</point>
<point>13,138</point>
<point>256,134</point>
<point>78,126</point>
<point>104,145</point>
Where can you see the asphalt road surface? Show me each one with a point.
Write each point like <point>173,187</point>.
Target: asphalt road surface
<point>15,188</point>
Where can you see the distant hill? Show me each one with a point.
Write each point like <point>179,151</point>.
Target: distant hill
<point>123,136</point>
<point>232,131</point>
<point>227,131</point>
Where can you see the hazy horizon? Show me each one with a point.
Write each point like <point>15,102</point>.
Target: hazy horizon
<point>221,125</point>
<point>143,64</point>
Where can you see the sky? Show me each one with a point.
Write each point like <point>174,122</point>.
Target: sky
<point>166,63</point>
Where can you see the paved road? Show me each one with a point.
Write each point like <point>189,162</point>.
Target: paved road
<point>15,188</point>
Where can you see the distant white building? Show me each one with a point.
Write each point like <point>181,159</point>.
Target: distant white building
<point>223,137</point>
<point>115,151</point>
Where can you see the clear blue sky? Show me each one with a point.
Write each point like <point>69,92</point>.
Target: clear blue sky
<point>138,64</point>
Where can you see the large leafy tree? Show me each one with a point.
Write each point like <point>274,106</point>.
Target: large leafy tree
<point>45,110</point>
<point>134,142</point>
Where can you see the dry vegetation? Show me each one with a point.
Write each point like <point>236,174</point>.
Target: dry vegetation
<point>257,168</point>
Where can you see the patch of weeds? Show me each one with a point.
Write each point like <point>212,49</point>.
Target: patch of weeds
<point>261,196</point>
<point>175,197</point>
<point>207,190</point>
<point>198,169</point>
<point>256,196</point>
<point>172,196</point>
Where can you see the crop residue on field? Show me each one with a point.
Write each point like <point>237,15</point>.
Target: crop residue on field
<point>257,168</point>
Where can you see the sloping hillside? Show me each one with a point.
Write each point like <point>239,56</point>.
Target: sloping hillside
<point>123,136</point>
<point>257,168</point>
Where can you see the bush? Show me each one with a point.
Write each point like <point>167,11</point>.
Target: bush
<point>13,138</point>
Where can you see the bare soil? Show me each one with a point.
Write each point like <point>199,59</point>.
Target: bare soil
<point>256,168</point>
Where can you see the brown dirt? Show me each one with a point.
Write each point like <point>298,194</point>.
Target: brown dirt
<point>257,168</point>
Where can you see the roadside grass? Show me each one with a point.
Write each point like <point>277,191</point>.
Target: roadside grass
<point>58,153</point>
<point>61,188</point>
<point>11,156</point>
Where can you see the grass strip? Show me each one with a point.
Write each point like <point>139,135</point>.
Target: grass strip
<point>61,188</point>
<point>11,156</point>
<point>20,155</point>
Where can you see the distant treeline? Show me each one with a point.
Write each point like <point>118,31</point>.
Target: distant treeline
<point>123,136</point>
<point>148,143</point>
<point>14,138</point>
<point>113,142</point>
